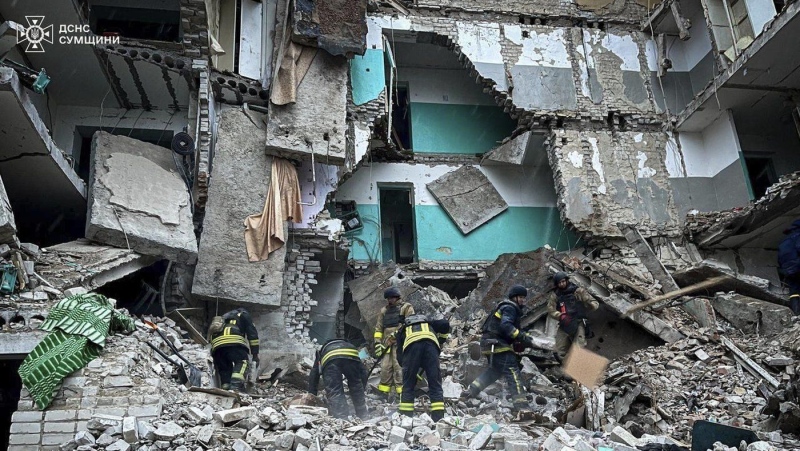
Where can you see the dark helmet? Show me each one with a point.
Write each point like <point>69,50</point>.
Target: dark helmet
<point>517,290</point>
<point>391,292</point>
<point>559,276</point>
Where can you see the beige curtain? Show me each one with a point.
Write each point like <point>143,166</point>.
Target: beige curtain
<point>264,232</point>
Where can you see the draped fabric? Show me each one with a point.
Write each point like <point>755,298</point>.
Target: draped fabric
<point>78,329</point>
<point>266,232</point>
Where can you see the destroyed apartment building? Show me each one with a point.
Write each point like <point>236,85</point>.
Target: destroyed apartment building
<point>296,158</point>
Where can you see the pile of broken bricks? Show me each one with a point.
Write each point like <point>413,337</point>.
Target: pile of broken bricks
<point>20,263</point>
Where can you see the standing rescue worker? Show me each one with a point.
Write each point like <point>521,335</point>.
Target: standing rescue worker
<point>419,343</point>
<point>389,321</point>
<point>789,264</point>
<point>569,304</point>
<point>230,346</point>
<point>336,361</point>
<point>500,332</point>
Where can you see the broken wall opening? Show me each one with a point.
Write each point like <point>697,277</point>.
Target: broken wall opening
<point>401,117</point>
<point>10,387</point>
<point>328,291</point>
<point>398,240</point>
<point>139,292</point>
<point>457,288</point>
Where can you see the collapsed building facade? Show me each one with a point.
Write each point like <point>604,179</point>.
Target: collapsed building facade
<point>429,140</point>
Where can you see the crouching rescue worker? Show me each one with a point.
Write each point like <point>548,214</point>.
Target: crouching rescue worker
<point>232,339</point>
<point>789,264</point>
<point>500,333</point>
<point>569,304</point>
<point>389,321</point>
<point>336,361</point>
<point>418,345</point>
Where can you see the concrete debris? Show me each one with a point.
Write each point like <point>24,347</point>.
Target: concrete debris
<point>468,197</point>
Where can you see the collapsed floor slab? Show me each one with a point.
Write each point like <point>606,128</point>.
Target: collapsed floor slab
<point>241,177</point>
<point>137,201</point>
<point>87,264</point>
<point>753,315</point>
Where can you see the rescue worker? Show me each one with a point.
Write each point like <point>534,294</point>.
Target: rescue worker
<point>789,264</point>
<point>230,347</point>
<point>389,321</point>
<point>569,304</point>
<point>336,361</point>
<point>500,332</point>
<point>419,343</point>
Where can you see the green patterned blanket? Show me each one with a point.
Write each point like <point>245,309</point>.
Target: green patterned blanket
<point>78,329</point>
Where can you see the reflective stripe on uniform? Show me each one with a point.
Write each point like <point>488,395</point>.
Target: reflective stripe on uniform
<point>443,336</point>
<point>240,374</point>
<point>384,388</point>
<point>515,333</point>
<point>424,333</point>
<point>794,296</point>
<point>497,350</point>
<point>254,342</point>
<point>398,388</point>
<point>228,337</point>
<point>377,335</point>
<point>497,314</point>
<point>406,407</point>
<point>338,353</point>
<point>437,405</point>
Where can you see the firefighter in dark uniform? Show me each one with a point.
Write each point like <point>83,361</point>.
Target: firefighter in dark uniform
<point>389,320</point>
<point>419,343</point>
<point>336,361</point>
<point>500,332</point>
<point>230,347</point>
<point>569,304</point>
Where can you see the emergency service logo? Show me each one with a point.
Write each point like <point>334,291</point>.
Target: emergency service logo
<point>34,34</point>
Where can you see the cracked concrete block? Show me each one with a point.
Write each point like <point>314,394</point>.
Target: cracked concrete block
<point>239,189</point>
<point>468,197</point>
<point>137,200</point>
<point>753,315</point>
<point>316,122</point>
<point>343,31</point>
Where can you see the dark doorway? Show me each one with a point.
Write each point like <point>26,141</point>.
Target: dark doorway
<point>401,117</point>
<point>398,242</point>
<point>761,172</point>
<point>10,386</point>
<point>140,292</point>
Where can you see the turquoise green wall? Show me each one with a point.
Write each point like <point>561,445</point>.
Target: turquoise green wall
<point>448,128</point>
<point>367,76</point>
<point>518,229</point>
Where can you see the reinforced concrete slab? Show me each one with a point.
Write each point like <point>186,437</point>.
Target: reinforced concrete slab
<point>90,265</point>
<point>138,201</point>
<point>337,26</point>
<point>468,197</point>
<point>238,188</point>
<point>316,122</point>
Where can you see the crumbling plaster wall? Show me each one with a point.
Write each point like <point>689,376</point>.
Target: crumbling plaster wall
<point>619,10</point>
<point>531,217</point>
<point>569,71</point>
<point>606,178</point>
<point>705,169</point>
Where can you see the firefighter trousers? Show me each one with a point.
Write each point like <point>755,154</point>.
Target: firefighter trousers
<point>391,372</point>
<point>231,364</point>
<point>333,376</point>
<point>564,340</point>
<point>501,364</point>
<point>422,355</point>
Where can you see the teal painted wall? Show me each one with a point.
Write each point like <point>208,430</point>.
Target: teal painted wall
<point>518,229</point>
<point>367,76</point>
<point>448,128</point>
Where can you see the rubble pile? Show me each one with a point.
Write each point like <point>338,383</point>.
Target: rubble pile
<point>19,279</point>
<point>664,390</point>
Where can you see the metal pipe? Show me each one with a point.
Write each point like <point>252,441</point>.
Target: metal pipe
<point>730,24</point>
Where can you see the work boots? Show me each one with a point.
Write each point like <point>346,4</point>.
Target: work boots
<point>237,385</point>
<point>794,304</point>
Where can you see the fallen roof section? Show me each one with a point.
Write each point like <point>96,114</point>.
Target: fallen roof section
<point>86,264</point>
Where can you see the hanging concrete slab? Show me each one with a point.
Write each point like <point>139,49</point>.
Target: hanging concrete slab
<point>86,264</point>
<point>512,151</point>
<point>343,30</point>
<point>316,122</point>
<point>468,197</point>
<point>8,227</point>
<point>240,184</point>
<point>740,283</point>
<point>138,201</point>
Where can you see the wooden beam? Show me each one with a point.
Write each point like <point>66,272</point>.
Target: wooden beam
<point>673,294</point>
<point>196,335</point>
<point>748,363</point>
